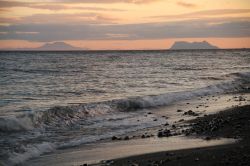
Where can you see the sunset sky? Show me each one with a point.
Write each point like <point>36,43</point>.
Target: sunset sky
<point>124,24</point>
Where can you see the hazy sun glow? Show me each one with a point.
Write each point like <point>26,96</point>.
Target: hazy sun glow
<point>124,24</point>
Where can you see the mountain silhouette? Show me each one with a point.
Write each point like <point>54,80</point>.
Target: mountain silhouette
<point>182,45</point>
<point>57,46</point>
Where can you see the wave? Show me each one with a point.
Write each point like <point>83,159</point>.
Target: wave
<point>30,151</point>
<point>35,150</point>
<point>12,123</point>
<point>68,115</point>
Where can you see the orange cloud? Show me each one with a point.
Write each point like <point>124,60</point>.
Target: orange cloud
<point>205,13</point>
<point>77,18</point>
<point>4,5</point>
<point>53,3</point>
<point>185,4</point>
<point>108,1</point>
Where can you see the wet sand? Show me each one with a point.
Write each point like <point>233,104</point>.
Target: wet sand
<point>109,150</point>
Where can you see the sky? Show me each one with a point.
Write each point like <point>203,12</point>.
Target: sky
<point>124,24</point>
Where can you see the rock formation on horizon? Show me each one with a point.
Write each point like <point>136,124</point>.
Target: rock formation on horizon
<point>182,45</point>
<point>57,46</point>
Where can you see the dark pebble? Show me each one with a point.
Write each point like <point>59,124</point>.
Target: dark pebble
<point>165,133</point>
<point>160,134</point>
<point>166,124</point>
<point>115,138</point>
<point>84,165</point>
<point>208,138</point>
<point>181,120</point>
<point>190,112</point>
<point>126,138</point>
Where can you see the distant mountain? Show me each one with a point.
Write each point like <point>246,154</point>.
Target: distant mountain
<point>182,45</point>
<point>57,46</point>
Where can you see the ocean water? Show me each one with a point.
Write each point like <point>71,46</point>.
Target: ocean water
<point>51,100</point>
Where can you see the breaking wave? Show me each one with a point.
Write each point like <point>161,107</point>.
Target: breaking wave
<point>30,151</point>
<point>67,115</point>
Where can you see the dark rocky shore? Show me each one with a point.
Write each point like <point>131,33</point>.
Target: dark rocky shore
<point>232,123</point>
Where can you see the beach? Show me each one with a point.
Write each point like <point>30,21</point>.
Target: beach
<point>124,83</point>
<point>232,154</point>
<point>218,136</point>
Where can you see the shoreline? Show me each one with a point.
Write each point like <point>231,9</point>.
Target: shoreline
<point>230,123</point>
<point>177,120</point>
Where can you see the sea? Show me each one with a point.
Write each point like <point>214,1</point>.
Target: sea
<point>62,99</point>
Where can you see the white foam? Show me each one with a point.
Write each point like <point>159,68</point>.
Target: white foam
<point>31,151</point>
<point>165,99</point>
<point>13,123</point>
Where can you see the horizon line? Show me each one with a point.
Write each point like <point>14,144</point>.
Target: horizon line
<point>89,50</point>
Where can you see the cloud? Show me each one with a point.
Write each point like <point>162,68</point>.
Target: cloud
<point>17,32</point>
<point>4,20</point>
<point>117,35</point>
<point>185,4</point>
<point>77,18</point>
<point>181,29</point>
<point>61,3</point>
<point>103,18</point>
<point>49,6</point>
<point>222,12</point>
<point>107,1</point>
<point>205,13</point>
<point>3,10</point>
<point>8,4</point>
